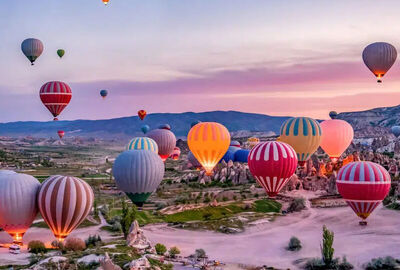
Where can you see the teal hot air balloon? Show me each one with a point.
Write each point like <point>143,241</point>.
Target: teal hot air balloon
<point>138,173</point>
<point>396,131</point>
<point>145,129</point>
<point>32,49</point>
<point>103,93</point>
<point>142,143</point>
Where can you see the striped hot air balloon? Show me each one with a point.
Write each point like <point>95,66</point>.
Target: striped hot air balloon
<point>208,141</point>
<point>142,143</point>
<point>235,144</point>
<point>55,96</point>
<point>337,135</point>
<point>165,140</point>
<point>18,206</point>
<point>303,134</point>
<point>138,173</point>
<point>379,57</point>
<point>272,164</point>
<point>32,49</point>
<point>142,114</point>
<point>176,153</point>
<point>363,185</point>
<point>64,202</point>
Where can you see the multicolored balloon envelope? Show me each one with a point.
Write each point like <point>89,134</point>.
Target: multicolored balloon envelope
<point>60,53</point>
<point>142,143</point>
<point>165,140</point>
<point>32,49</point>
<point>235,144</point>
<point>272,164</point>
<point>105,2</point>
<point>208,141</point>
<point>55,96</point>
<point>138,173</point>
<point>142,114</point>
<point>337,135</point>
<point>18,205</point>
<point>64,202</point>
<point>363,185</point>
<point>379,57</point>
<point>303,134</point>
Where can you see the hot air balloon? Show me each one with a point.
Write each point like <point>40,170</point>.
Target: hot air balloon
<point>194,123</point>
<point>145,128</point>
<point>105,2</point>
<point>242,155</point>
<point>333,114</point>
<point>64,202</point>
<point>55,96</point>
<point>142,114</point>
<point>208,141</point>
<point>103,93</point>
<point>303,134</point>
<point>18,206</point>
<point>32,48</point>
<point>138,173</point>
<point>60,53</point>
<point>165,126</point>
<point>396,130</point>
<point>165,140</point>
<point>336,137</point>
<point>142,143</point>
<point>230,154</point>
<point>363,185</point>
<point>235,144</point>
<point>176,153</point>
<point>272,164</point>
<point>253,141</point>
<point>192,160</point>
<point>379,57</point>
<point>61,133</point>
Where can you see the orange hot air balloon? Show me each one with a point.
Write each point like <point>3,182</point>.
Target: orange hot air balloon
<point>142,114</point>
<point>208,141</point>
<point>105,2</point>
<point>336,137</point>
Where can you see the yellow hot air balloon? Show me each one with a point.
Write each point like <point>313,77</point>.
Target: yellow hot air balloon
<point>208,141</point>
<point>253,141</point>
<point>303,134</point>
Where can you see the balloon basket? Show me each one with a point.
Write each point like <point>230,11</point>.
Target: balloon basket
<point>363,223</point>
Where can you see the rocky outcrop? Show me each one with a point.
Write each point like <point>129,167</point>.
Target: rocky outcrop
<point>137,239</point>
<point>107,264</point>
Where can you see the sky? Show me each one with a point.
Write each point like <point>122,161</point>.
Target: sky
<point>286,58</point>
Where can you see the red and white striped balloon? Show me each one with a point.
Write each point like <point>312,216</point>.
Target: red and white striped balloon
<point>272,164</point>
<point>363,185</point>
<point>64,202</point>
<point>55,96</point>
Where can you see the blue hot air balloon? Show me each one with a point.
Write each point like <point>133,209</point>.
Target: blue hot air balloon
<point>145,128</point>
<point>396,130</point>
<point>103,93</point>
<point>241,155</point>
<point>138,173</point>
<point>230,154</point>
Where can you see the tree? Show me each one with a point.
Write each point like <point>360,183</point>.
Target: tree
<point>294,244</point>
<point>326,248</point>
<point>173,251</point>
<point>36,247</point>
<point>200,253</point>
<point>128,216</point>
<point>160,249</point>
<point>95,210</point>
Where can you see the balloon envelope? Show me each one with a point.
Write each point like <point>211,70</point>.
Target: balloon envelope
<point>363,185</point>
<point>303,134</point>
<point>272,164</point>
<point>105,2</point>
<point>61,133</point>
<point>176,153</point>
<point>138,173</point>
<point>64,202</point>
<point>142,114</point>
<point>230,154</point>
<point>253,141</point>
<point>165,140</point>
<point>333,114</point>
<point>396,131</point>
<point>165,126</point>
<point>103,93</point>
<point>145,129</point>
<point>60,53</point>
<point>235,144</point>
<point>379,57</point>
<point>242,155</point>
<point>32,49</point>
<point>208,141</point>
<point>337,135</point>
<point>142,143</point>
<point>18,206</point>
<point>55,96</point>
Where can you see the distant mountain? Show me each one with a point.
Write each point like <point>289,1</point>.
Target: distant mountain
<point>373,123</point>
<point>237,122</point>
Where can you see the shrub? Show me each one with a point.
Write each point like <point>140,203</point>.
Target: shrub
<point>173,251</point>
<point>387,263</point>
<point>160,249</point>
<point>74,244</point>
<point>207,216</point>
<point>200,253</point>
<point>128,216</point>
<point>36,247</point>
<point>294,244</point>
<point>326,248</point>
<point>116,227</point>
<point>297,205</point>
<point>93,240</point>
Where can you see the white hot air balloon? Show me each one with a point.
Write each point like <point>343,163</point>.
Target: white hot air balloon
<point>379,57</point>
<point>32,49</point>
<point>18,206</point>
